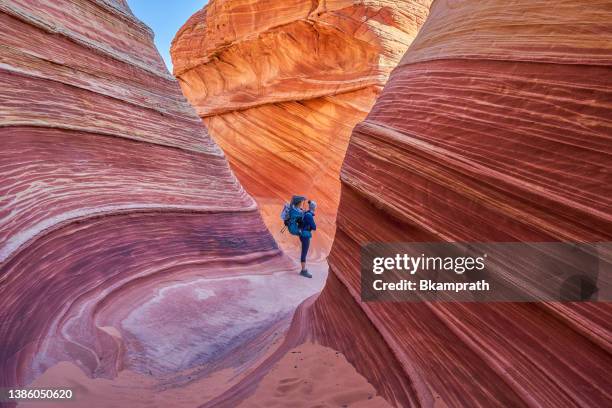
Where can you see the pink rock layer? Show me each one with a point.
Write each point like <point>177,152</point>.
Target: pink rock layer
<point>128,249</point>
<point>496,126</point>
<point>280,86</point>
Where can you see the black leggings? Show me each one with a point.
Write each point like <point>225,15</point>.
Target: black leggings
<point>305,244</point>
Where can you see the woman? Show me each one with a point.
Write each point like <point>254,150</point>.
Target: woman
<point>308,225</point>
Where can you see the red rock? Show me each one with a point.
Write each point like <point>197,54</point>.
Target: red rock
<point>130,253</point>
<point>496,126</point>
<point>128,250</point>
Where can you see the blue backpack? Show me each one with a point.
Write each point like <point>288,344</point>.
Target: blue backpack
<point>292,218</point>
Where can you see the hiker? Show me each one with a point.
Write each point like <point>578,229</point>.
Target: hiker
<point>308,225</point>
<point>299,221</point>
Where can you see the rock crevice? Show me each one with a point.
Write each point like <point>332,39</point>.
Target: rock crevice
<point>281,85</point>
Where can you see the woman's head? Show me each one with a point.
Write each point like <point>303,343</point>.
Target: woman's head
<point>297,200</point>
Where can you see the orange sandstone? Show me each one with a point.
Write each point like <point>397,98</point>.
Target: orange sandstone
<point>280,86</point>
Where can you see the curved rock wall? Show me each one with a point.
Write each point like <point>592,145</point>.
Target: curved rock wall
<point>496,126</point>
<point>126,243</point>
<point>130,252</point>
<point>280,86</point>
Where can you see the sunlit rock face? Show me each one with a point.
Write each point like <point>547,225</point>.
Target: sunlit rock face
<point>281,84</point>
<point>127,246</point>
<point>496,126</point>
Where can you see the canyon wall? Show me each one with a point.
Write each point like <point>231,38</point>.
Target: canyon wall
<point>280,86</point>
<point>134,266</point>
<point>127,246</point>
<point>496,126</point>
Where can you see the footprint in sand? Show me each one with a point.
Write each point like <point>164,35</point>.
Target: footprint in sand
<point>288,384</point>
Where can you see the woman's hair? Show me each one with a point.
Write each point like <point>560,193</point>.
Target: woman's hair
<point>297,200</point>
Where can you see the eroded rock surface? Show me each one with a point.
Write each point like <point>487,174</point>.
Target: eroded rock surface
<point>128,250</point>
<point>131,258</point>
<point>496,126</point>
<point>280,86</point>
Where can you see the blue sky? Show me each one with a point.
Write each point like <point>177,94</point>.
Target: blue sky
<point>165,18</point>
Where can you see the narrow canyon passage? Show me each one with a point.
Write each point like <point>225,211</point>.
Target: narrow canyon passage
<point>280,88</point>
<point>141,270</point>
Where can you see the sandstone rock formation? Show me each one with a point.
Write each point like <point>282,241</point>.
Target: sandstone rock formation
<point>496,126</point>
<point>280,86</point>
<point>135,267</point>
<point>127,246</point>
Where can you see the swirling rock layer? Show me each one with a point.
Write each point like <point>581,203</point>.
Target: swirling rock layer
<point>128,250</point>
<point>496,126</point>
<point>280,86</point>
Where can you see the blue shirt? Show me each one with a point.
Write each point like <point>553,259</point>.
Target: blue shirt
<point>308,224</point>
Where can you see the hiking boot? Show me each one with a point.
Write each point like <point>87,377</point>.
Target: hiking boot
<point>305,273</point>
